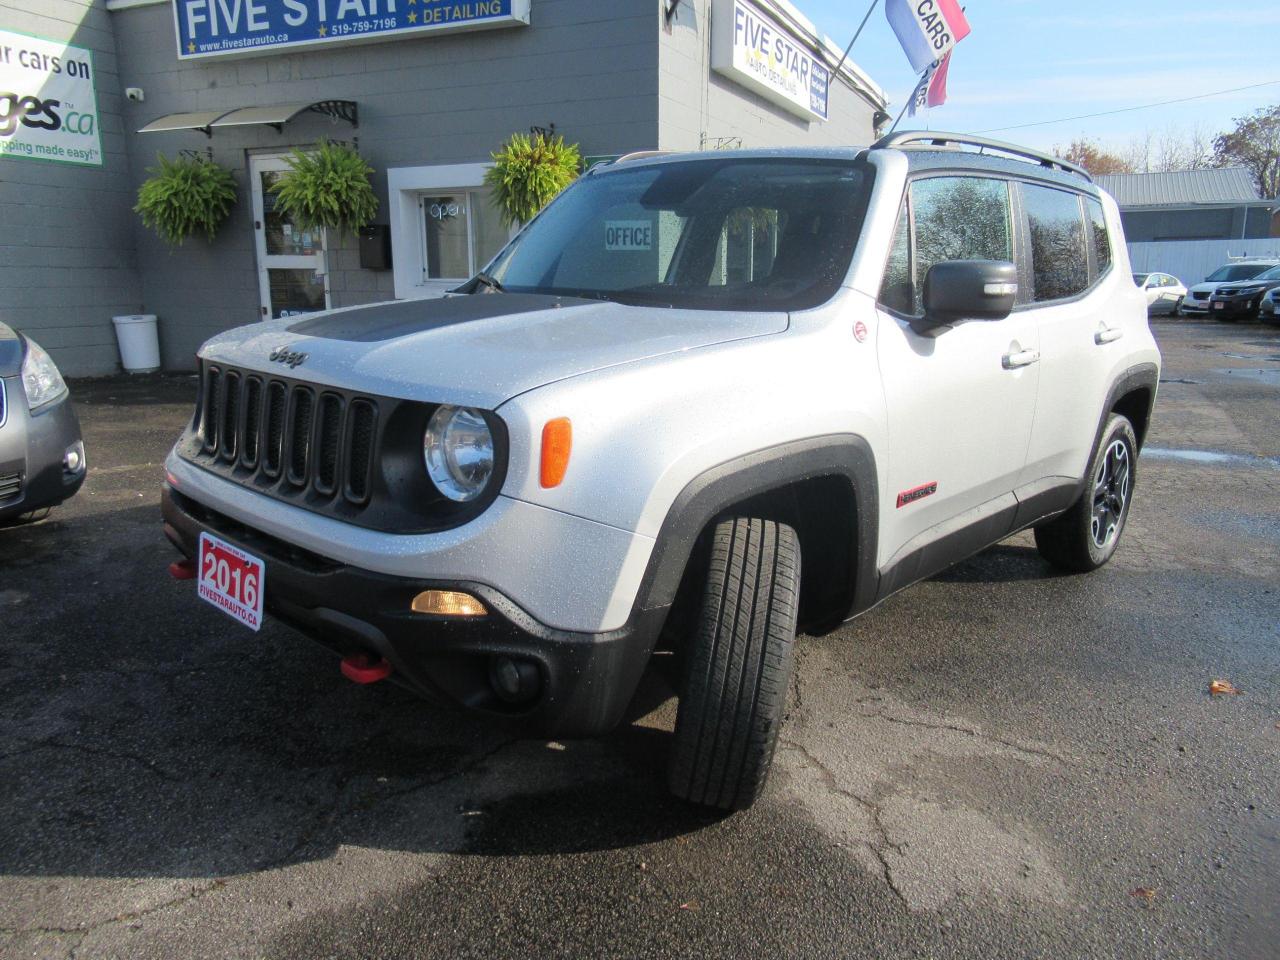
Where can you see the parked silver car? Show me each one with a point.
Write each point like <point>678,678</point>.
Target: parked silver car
<point>41,453</point>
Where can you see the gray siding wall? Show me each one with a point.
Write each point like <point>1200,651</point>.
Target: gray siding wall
<point>588,67</point>
<point>724,109</point>
<point>66,250</point>
<point>1214,223</point>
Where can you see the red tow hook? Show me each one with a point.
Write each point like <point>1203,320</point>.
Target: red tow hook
<point>361,668</point>
<point>182,570</point>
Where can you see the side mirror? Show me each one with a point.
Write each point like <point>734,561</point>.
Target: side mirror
<point>969,290</point>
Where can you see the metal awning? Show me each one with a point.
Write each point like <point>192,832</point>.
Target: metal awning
<point>272,116</point>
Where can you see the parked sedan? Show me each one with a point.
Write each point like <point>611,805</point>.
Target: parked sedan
<point>41,453</point>
<point>1197,299</point>
<point>1269,311</point>
<point>1242,299</point>
<point>1164,292</point>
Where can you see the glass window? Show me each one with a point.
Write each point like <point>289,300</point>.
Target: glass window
<point>282,237</point>
<point>1232,272</point>
<point>717,233</point>
<point>896,290</point>
<point>462,232</point>
<point>295,292</point>
<point>958,218</point>
<point>1058,259</point>
<point>1101,236</point>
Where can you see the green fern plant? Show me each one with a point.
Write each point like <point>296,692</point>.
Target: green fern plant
<point>327,187</point>
<point>528,172</point>
<point>184,196</point>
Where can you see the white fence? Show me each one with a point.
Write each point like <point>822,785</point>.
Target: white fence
<point>1193,260</point>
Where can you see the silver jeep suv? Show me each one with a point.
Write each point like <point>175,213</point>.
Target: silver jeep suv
<point>701,403</point>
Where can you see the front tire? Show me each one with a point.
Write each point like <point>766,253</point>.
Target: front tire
<point>1086,536</point>
<point>739,665</point>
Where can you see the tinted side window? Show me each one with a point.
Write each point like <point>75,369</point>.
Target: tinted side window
<point>1102,238</point>
<point>958,218</point>
<point>1058,259</point>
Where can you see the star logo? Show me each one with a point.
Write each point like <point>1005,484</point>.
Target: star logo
<point>413,3</point>
<point>413,16</point>
<point>323,30</point>
<point>191,47</point>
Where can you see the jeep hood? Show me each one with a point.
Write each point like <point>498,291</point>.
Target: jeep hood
<point>477,350</point>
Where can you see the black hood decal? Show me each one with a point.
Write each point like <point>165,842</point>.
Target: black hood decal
<point>387,321</point>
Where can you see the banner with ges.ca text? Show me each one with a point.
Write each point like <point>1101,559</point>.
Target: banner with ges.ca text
<point>48,108</point>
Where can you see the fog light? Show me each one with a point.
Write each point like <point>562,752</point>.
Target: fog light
<point>447,603</point>
<point>515,681</point>
<point>73,459</point>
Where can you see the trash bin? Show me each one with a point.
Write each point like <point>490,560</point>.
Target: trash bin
<point>139,343</point>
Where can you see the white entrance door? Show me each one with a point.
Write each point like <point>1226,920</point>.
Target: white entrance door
<point>292,274</point>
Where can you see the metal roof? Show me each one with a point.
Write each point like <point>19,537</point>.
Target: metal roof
<point>1185,188</point>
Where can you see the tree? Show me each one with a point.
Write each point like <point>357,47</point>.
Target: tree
<point>1255,144</point>
<point>1094,158</point>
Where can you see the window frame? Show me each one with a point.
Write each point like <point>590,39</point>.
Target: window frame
<point>1021,241</point>
<point>424,263</point>
<point>1016,230</point>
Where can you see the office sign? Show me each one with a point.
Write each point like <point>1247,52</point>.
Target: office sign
<point>754,50</point>
<point>48,108</point>
<point>212,28</point>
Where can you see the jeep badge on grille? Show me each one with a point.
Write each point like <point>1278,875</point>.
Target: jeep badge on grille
<point>288,357</point>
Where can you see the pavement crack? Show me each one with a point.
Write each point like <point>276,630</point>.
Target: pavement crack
<point>337,811</point>
<point>970,732</point>
<point>122,755</point>
<point>881,842</point>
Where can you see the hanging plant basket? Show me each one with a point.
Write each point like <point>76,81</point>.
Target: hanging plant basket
<point>327,187</point>
<point>528,172</point>
<point>184,196</point>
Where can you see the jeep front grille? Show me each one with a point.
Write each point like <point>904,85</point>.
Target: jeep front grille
<point>311,439</point>
<point>347,455</point>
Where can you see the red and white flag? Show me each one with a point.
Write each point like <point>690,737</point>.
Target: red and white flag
<point>931,91</point>
<point>927,29</point>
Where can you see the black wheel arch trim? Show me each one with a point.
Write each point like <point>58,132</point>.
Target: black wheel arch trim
<point>710,494</point>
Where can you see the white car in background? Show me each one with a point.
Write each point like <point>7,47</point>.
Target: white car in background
<point>1164,292</point>
<point>1196,299</point>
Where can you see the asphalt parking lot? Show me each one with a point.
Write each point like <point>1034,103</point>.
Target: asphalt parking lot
<point>997,763</point>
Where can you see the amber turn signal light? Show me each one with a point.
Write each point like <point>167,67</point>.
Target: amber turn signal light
<point>447,603</point>
<point>557,443</point>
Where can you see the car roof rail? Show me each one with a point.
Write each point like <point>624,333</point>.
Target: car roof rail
<point>926,138</point>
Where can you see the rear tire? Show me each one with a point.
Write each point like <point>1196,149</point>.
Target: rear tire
<point>1086,536</point>
<point>739,665</point>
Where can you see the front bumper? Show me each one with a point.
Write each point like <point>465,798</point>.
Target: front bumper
<point>1192,305</point>
<point>32,447</point>
<point>586,680</point>
<point>1233,307</point>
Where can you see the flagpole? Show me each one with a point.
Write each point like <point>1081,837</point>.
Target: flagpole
<point>903,112</point>
<point>870,9</point>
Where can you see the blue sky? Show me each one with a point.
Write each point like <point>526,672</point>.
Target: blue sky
<point>1033,60</point>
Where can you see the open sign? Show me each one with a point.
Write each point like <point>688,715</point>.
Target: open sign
<point>628,235</point>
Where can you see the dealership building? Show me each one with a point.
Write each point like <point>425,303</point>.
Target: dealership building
<point>92,90</point>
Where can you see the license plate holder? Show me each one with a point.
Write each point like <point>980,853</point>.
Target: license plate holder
<point>231,579</point>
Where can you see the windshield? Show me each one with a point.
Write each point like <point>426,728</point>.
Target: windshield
<point>1239,271</point>
<point>1272,274</point>
<point>718,234</point>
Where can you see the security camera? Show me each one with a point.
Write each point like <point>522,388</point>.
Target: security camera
<point>135,94</point>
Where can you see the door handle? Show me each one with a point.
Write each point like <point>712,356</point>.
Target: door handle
<point>1107,335</point>
<point>1023,358</point>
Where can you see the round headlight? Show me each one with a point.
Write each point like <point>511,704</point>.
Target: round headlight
<point>458,449</point>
